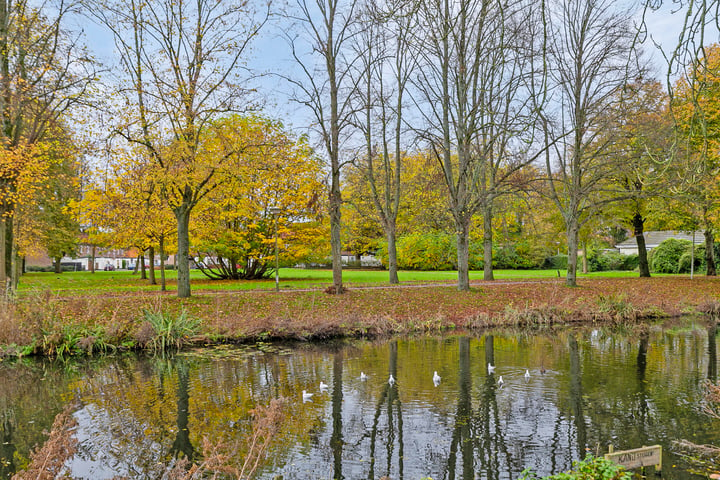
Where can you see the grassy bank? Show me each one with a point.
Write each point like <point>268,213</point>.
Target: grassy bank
<point>62,322</point>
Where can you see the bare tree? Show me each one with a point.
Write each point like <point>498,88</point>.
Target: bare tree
<point>592,55</point>
<point>476,84</point>
<point>327,89</point>
<point>386,66</point>
<point>181,61</point>
<point>44,72</point>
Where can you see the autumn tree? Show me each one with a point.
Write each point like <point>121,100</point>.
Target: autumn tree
<point>124,209</point>
<point>44,72</point>
<point>181,62</point>
<point>695,109</point>
<point>45,222</point>
<point>642,137</point>
<point>591,52</point>
<point>234,226</point>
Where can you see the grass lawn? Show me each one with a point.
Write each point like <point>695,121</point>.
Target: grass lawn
<point>290,278</point>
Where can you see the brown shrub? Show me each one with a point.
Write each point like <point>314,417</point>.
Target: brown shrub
<point>144,334</point>
<point>48,462</point>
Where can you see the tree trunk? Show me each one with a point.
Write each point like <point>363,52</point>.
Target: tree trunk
<point>710,253</point>
<point>143,272</point>
<point>392,255</point>
<point>463,256</point>
<point>17,268</point>
<point>137,265</point>
<point>585,257</point>
<point>6,252</point>
<point>638,223</point>
<point>182,215</point>
<point>162,264</point>
<point>151,260</point>
<point>487,244</point>
<point>3,273</point>
<point>92,259</point>
<point>335,242</point>
<point>572,231</point>
<point>56,264</point>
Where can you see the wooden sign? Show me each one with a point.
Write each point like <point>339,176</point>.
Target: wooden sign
<point>638,457</point>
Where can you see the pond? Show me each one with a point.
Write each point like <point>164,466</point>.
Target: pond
<point>587,388</point>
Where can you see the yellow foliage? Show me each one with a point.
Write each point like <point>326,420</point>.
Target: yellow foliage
<point>264,167</point>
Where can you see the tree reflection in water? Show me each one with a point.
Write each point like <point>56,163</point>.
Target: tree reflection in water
<point>390,399</point>
<point>629,388</point>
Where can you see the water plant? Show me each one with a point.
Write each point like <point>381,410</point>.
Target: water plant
<point>617,307</point>
<point>591,468</point>
<point>169,330</point>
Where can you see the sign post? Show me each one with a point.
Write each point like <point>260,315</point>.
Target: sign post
<point>638,457</point>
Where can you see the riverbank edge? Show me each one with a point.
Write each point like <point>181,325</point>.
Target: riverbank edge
<point>48,324</point>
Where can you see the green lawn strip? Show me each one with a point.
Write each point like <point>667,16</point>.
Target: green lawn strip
<point>122,282</point>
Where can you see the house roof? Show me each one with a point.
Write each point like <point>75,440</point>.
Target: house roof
<point>653,239</point>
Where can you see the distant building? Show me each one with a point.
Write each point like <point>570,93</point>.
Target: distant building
<point>105,259</point>
<point>653,239</point>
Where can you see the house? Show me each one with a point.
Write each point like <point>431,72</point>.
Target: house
<point>105,258</point>
<point>653,239</point>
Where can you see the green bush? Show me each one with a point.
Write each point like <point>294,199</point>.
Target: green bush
<point>430,251</point>
<point>591,468</point>
<point>520,255</point>
<point>666,257</point>
<point>611,260</point>
<point>686,257</point>
<point>631,262</point>
<point>556,262</point>
<point>169,330</point>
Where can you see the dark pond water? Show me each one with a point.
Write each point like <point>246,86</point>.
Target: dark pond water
<point>599,387</point>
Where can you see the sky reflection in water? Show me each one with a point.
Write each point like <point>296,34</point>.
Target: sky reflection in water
<point>598,387</point>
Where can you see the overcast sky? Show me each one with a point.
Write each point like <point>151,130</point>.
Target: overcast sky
<point>271,54</point>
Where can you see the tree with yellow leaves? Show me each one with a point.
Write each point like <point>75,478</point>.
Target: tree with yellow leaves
<point>44,222</point>
<point>234,225</point>
<point>125,209</point>
<point>44,72</point>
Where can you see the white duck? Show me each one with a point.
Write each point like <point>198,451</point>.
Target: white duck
<point>363,377</point>
<point>491,368</point>
<point>500,380</point>
<point>436,378</point>
<point>323,386</point>
<point>527,374</point>
<point>391,380</point>
<point>306,396</point>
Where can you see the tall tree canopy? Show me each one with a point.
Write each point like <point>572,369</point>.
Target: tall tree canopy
<point>181,63</point>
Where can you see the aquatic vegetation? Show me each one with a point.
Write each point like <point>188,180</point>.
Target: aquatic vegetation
<point>591,468</point>
<point>170,330</point>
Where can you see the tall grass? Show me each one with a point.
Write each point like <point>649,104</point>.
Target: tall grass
<point>170,330</point>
